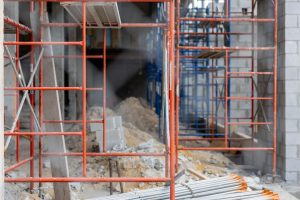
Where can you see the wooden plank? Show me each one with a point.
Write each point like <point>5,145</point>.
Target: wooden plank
<point>213,54</point>
<point>197,174</point>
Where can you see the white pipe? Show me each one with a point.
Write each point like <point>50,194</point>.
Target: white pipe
<point>198,189</point>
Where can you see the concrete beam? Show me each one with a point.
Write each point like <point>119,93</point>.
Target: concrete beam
<point>52,111</point>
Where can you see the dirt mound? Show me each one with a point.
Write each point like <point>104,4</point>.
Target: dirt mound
<point>135,111</point>
<point>96,113</point>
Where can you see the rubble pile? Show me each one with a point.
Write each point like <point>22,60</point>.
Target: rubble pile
<point>140,131</point>
<point>96,113</point>
<point>135,111</point>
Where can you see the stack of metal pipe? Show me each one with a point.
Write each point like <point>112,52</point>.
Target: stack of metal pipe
<point>231,187</point>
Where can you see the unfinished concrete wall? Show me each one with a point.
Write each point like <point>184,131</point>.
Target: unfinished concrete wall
<point>11,10</point>
<point>1,106</point>
<point>58,34</point>
<point>241,86</point>
<point>289,99</point>
<point>127,45</point>
<point>288,95</point>
<point>265,88</point>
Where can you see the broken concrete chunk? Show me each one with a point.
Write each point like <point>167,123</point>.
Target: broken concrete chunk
<point>146,145</point>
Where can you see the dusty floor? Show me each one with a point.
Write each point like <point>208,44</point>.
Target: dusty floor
<point>140,126</point>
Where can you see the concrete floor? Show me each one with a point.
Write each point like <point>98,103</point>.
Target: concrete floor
<point>293,189</point>
<point>286,191</point>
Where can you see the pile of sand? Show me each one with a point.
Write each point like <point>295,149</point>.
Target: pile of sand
<point>134,136</point>
<point>140,131</point>
<point>135,111</point>
<point>96,113</point>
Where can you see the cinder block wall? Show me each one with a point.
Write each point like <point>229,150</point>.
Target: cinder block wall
<point>11,10</point>
<point>241,86</point>
<point>289,37</point>
<point>265,62</point>
<point>288,95</point>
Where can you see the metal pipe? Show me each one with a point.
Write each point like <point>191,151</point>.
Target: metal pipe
<point>275,88</point>
<point>186,191</point>
<point>22,101</point>
<point>215,33</point>
<point>172,99</point>
<point>226,148</point>
<point>227,48</point>
<point>226,94</point>
<point>103,154</point>
<point>43,88</point>
<point>80,43</point>
<point>84,87</point>
<point>41,133</point>
<point>228,19</point>
<point>17,68</point>
<point>85,179</point>
<point>17,25</point>
<point>33,117</point>
<point>132,1</point>
<point>177,103</point>
<point>20,163</point>
<point>104,91</point>
<point>212,139</point>
<point>143,25</point>
<point>2,158</point>
<point>72,121</point>
<point>41,94</point>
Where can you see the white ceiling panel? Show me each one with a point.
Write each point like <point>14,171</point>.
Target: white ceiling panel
<point>98,14</point>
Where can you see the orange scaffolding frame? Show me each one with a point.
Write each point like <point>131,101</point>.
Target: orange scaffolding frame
<point>169,154</point>
<point>173,147</point>
<point>230,75</point>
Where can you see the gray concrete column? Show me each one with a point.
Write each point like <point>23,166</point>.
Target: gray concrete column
<point>1,107</point>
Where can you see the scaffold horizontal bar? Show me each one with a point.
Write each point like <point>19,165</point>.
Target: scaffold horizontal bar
<point>229,19</point>
<point>248,123</point>
<point>41,133</point>
<point>87,179</point>
<point>227,48</point>
<point>43,88</point>
<point>72,121</point>
<point>226,148</point>
<point>43,43</point>
<point>123,154</point>
<point>18,164</point>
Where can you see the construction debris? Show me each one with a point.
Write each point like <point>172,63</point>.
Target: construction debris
<point>114,133</point>
<point>195,165</point>
<point>96,113</point>
<point>133,110</point>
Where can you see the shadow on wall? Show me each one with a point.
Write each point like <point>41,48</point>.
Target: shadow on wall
<point>125,77</point>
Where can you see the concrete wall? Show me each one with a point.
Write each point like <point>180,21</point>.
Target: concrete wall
<point>1,106</point>
<point>289,90</point>
<point>265,88</point>
<point>58,34</point>
<point>288,95</point>
<point>11,10</point>
<point>241,86</point>
<point>127,45</point>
